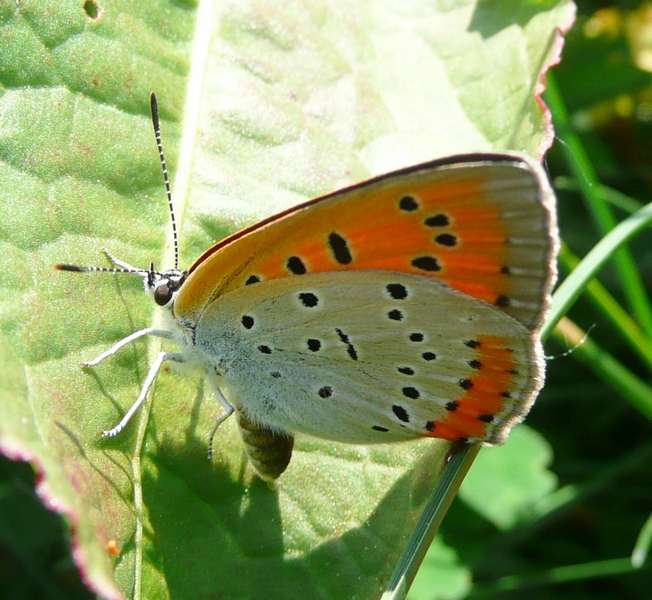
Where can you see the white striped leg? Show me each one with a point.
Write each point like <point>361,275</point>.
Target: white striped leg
<point>124,341</point>
<point>151,376</point>
<point>221,418</point>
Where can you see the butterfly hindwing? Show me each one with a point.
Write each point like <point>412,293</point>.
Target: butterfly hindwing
<point>370,356</point>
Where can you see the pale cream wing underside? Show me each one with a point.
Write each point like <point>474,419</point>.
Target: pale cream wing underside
<point>371,356</point>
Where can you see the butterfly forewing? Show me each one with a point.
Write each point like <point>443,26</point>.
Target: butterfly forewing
<point>482,227</point>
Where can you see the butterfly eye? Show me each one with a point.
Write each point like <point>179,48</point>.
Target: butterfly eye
<point>162,294</point>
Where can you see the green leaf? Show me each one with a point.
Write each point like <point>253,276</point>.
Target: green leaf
<point>283,101</point>
<point>504,485</point>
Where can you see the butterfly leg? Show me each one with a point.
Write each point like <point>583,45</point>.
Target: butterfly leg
<point>151,376</point>
<point>118,262</point>
<point>124,341</point>
<point>229,410</point>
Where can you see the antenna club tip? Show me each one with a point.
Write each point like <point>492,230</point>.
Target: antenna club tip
<point>153,103</point>
<point>73,268</point>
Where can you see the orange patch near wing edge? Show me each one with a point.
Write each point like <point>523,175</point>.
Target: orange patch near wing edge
<point>484,395</point>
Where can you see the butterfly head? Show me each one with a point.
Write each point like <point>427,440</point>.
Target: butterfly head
<point>163,287</point>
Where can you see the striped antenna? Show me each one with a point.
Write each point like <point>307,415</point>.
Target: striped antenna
<point>78,269</point>
<point>122,267</point>
<point>166,177</point>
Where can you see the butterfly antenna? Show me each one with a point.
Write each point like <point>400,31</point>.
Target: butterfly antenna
<point>575,347</point>
<point>78,269</point>
<point>166,177</point>
<point>122,267</point>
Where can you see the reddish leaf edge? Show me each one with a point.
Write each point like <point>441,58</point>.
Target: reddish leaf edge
<point>557,46</point>
<point>17,452</point>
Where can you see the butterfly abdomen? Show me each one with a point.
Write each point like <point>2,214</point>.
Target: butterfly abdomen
<point>268,451</point>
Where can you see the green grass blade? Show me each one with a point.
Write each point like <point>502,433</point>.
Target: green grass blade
<point>614,197</point>
<point>575,283</point>
<point>431,517</point>
<point>643,543</point>
<point>633,389</point>
<point>598,295</point>
<point>631,283</point>
<point>592,570</point>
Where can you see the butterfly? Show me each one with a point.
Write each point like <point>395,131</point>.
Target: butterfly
<point>406,306</point>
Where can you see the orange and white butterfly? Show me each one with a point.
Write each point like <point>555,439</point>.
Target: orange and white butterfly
<point>405,306</point>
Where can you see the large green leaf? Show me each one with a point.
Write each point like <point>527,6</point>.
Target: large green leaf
<point>283,101</point>
<point>504,485</point>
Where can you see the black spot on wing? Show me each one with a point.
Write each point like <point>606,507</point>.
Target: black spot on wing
<point>296,266</point>
<point>401,413</point>
<point>503,301</point>
<point>308,299</point>
<point>313,345</point>
<point>411,392</point>
<point>350,348</point>
<point>343,337</point>
<point>397,291</point>
<point>408,204</point>
<point>446,239</point>
<point>440,220</point>
<point>325,392</point>
<point>339,248</point>
<point>405,370</point>
<point>426,263</point>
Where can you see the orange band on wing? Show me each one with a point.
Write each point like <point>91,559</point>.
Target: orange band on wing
<point>432,223</point>
<point>486,393</point>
